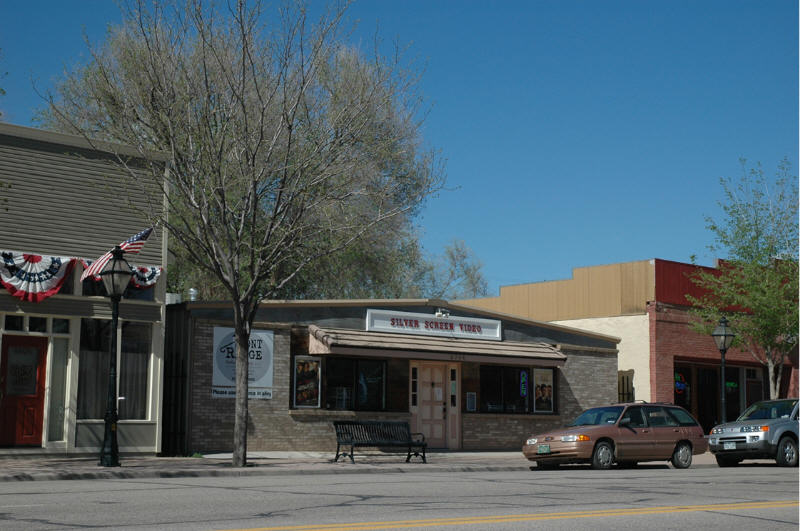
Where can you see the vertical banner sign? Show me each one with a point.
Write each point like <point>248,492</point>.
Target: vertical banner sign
<point>523,383</point>
<point>223,380</point>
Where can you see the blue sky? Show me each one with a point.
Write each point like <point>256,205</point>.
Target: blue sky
<point>575,132</point>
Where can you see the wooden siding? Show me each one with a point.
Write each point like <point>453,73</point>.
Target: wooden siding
<point>70,201</point>
<point>597,291</point>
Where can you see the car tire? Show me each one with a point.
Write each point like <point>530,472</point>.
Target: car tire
<point>787,452</point>
<point>603,456</point>
<point>726,462</point>
<point>682,456</point>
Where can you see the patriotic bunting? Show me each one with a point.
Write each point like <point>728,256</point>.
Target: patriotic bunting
<point>143,276</point>
<point>32,277</point>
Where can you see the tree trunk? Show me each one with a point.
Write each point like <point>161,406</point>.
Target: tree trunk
<point>241,414</point>
<point>775,371</point>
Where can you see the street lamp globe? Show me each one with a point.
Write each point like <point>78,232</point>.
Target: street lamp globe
<point>116,274</point>
<point>723,335</point>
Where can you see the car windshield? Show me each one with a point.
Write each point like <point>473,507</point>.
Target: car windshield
<point>598,415</point>
<point>769,410</point>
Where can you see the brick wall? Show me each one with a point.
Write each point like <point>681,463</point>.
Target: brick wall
<point>671,338</point>
<point>271,424</point>
<point>587,379</point>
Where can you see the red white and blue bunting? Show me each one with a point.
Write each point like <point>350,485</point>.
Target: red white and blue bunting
<point>143,276</point>
<point>33,277</point>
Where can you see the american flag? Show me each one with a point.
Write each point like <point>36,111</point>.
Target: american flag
<point>132,245</point>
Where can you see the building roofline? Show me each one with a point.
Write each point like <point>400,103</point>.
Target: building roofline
<point>75,141</point>
<point>340,303</point>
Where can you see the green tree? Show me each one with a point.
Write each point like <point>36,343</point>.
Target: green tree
<point>283,145</point>
<point>756,286</point>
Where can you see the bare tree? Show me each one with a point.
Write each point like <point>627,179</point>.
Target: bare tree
<point>283,145</point>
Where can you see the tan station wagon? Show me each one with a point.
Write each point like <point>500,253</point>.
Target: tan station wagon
<point>622,433</point>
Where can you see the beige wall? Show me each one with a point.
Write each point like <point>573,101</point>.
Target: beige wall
<point>596,291</point>
<point>634,349</point>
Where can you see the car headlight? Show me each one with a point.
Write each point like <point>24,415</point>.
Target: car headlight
<point>574,438</point>
<point>717,431</point>
<point>532,440</point>
<point>750,429</point>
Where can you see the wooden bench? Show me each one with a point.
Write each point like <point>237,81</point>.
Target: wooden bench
<point>380,434</point>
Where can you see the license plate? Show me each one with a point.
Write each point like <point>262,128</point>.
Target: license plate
<point>543,449</point>
<point>729,446</point>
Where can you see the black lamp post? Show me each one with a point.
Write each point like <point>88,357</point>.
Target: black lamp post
<point>116,275</point>
<point>723,337</point>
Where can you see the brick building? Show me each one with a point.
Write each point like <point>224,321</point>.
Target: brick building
<point>660,357</point>
<point>466,378</point>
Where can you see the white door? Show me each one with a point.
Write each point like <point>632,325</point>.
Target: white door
<point>435,403</point>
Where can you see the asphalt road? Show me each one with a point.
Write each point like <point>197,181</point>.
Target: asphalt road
<point>658,497</point>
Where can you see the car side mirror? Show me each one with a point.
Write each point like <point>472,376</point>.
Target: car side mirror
<point>624,422</point>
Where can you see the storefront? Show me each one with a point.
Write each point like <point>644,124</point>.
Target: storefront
<point>466,378</point>
<point>697,387</point>
<point>55,332</point>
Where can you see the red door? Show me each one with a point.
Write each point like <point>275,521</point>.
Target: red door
<point>22,366</point>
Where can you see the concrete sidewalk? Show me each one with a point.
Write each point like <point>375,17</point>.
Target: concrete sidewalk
<point>48,468</point>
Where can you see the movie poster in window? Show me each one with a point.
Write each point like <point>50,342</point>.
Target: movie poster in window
<point>306,381</point>
<point>543,390</point>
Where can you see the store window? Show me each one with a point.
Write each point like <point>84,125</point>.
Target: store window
<point>516,390</point>
<point>133,363</point>
<point>505,389</point>
<point>355,384</point>
<point>93,368</point>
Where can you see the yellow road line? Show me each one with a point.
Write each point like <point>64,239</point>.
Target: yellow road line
<point>431,522</point>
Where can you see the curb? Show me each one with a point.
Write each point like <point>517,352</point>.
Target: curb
<point>266,470</point>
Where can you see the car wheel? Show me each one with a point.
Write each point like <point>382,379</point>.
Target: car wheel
<point>603,456</point>
<point>726,461</point>
<point>787,452</point>
<point>682,456</point>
